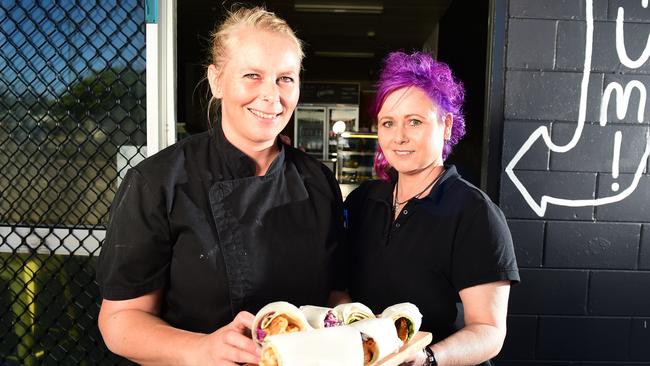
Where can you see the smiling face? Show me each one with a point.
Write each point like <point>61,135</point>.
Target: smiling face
<point>258,85</point>
<point>410,132</point>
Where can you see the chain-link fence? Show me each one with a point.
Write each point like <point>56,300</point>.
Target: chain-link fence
<point>72,117</point>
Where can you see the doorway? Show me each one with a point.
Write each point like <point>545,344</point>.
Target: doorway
<point>347,45</point>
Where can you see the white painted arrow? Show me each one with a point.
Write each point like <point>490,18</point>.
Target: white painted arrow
<point>540,208</point>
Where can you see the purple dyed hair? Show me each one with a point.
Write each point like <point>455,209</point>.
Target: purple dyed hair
<point>435,78</point>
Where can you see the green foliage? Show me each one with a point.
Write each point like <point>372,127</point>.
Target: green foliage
<point>112,97</point>
<point>59,155</point>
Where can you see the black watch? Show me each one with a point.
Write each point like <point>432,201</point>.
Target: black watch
<point>431,357</point>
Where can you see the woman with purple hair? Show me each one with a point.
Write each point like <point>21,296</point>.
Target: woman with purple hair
<point>421,233</point>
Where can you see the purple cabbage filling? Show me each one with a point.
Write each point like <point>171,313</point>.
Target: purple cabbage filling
<point>261,334</point>
<point>330,320</point>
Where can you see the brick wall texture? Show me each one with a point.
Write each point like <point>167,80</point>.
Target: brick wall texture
<point>585,262</point>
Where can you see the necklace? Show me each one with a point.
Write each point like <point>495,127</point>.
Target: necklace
<point>396,203</point>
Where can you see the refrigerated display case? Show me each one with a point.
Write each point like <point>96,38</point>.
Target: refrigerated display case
<point>349,115</point>
<point>309,134</point>
<point>355,157</point>
<point>313,128</point>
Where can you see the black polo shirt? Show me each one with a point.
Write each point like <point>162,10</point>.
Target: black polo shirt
<point>452,239</point>
<point>195,221</point>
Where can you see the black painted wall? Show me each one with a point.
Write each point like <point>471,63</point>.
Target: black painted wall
<point>585,292</point>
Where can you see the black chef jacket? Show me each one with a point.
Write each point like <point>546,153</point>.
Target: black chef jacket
<point>195,221</point>
<point>452,239</point>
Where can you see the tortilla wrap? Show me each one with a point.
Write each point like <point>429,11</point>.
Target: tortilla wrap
<point>320,317</point>
<point>352,312</point>
<point>334,346</point>
<point>407,319</point>
<point>379,337</point>
<point>277,318</point>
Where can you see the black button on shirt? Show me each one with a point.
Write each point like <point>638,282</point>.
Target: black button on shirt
<point>452,239</point>
<point>195,221</point>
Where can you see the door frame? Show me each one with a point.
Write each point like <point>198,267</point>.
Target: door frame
<point>161,72</point>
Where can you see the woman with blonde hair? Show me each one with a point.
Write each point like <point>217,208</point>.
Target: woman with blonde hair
<point>207,231</point>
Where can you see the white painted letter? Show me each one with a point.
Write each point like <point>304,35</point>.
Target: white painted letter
<point>620,45</point>
<point>622,105</point>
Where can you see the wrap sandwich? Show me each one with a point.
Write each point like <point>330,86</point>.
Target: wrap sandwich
<point>352,312</point>
<point>334,346</point>
<point>278,318</point>
<point>407,319</point>
<point>320,317</point>
<point>379,339</point>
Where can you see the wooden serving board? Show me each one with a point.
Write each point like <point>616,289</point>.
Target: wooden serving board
<point>419,341</point>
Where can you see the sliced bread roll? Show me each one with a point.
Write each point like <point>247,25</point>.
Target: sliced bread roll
<point>278,318</point>
<point>407,319</point>
<point>334,346</point>
<point>320,317</point>
<point>352,312</point>
<point>379,339</point>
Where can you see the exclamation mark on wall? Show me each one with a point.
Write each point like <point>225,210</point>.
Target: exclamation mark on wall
<point>616,159</point>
